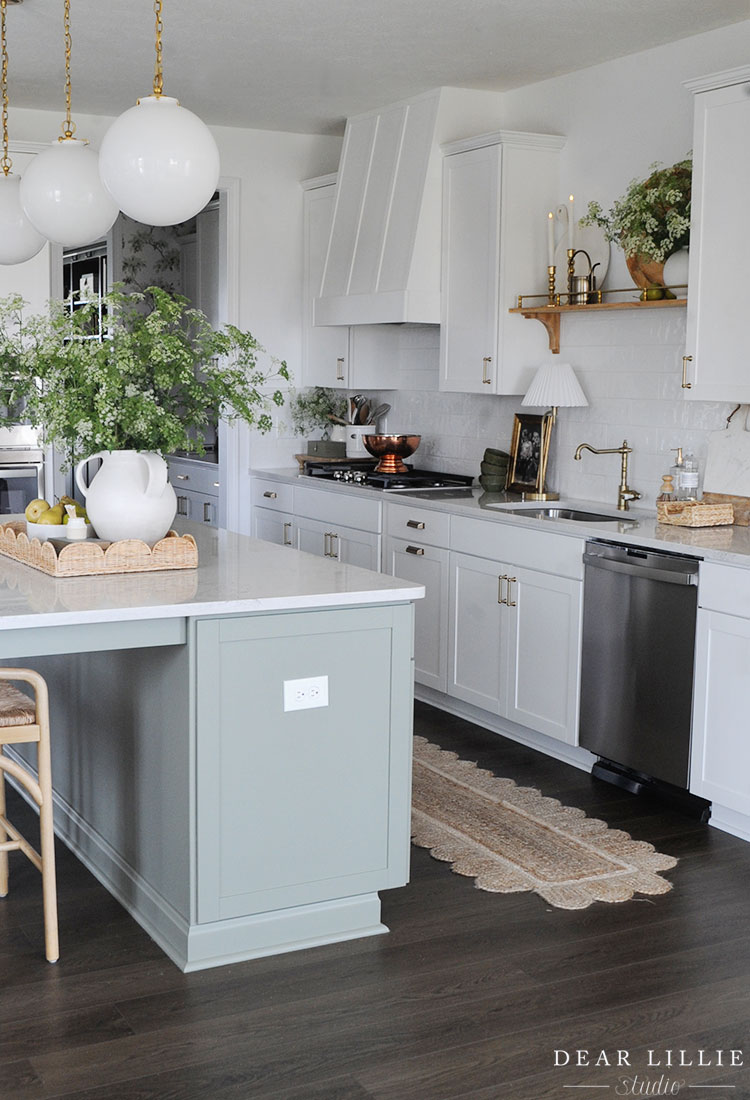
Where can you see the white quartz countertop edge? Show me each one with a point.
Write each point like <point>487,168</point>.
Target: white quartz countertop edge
<point>638,527</point>
<point>235,575</point>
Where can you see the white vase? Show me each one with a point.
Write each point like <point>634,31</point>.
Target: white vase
<point>676,272</point>
<point>129,496</point>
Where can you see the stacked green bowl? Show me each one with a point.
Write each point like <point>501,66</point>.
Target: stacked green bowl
<point>494,470</point>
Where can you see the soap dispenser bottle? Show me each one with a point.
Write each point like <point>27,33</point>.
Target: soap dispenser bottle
<point>676,470</point>
<point>690,483</point>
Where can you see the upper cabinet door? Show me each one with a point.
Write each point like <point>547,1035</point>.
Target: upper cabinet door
<point>497,190</point>
<point>471,270</point>
<point>719,243</point>
<point>325,351</point>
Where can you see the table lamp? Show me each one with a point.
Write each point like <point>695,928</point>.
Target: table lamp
<point>554,386</point>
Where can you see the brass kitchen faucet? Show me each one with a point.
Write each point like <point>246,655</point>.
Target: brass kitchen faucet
<point>624,493</point>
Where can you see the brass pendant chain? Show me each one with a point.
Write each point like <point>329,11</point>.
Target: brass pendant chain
<point>6,161</point>
<point>68,127</point>
<point>158,75</point>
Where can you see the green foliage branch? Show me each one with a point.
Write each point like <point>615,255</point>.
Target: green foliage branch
<point>160,376</point>
<point>652,219</point>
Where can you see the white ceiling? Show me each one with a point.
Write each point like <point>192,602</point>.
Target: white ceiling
<point>305,65</point>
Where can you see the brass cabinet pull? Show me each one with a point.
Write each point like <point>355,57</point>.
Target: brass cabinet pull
<point>340,370</point>
<point>416,523</point>
<point>500,597</point>
<point>486,380</point>
<point>183,477</point>
<point>287,530</point>
<point>415,550</point>
<point>685,384</point>
<point>270,495</point>
<point>509,601</point>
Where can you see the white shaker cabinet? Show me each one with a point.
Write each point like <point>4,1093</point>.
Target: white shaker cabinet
<point>716,346</point>
<point>272,518</point>
<point>720,756</point>
<point>341,527</point>
<point>515,631</point>
<point>416,549</point>
<point>335,355</point>
<point>197,487</point>
<point>497,191</point>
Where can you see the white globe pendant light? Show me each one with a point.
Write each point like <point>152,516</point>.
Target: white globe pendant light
<point>159,161</point>
<point>19,240</point>
<point>61,191</point>
<point>63,196</point>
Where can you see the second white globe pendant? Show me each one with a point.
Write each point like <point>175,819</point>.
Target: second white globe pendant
<point>63,197</point>
<point>61,191</point>
<point>159,161</point>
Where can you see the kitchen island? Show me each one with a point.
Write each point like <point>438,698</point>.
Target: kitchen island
<point>227,818</point>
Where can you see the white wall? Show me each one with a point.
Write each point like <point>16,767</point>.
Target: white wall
<point>618,119</point>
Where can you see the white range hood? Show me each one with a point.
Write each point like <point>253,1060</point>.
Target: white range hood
<point>383,261</point>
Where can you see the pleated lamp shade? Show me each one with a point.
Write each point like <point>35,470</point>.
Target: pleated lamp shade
<point>555,386</point>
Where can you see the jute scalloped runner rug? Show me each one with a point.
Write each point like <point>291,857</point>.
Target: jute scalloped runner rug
<point>511,839</point>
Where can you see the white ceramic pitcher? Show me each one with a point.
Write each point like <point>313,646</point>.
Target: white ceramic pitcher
<point>129,496</point>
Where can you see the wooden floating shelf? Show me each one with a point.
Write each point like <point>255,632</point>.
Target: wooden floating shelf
<point>550,315</point>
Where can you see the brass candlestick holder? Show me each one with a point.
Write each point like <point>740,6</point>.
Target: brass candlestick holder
<point>551,285</point>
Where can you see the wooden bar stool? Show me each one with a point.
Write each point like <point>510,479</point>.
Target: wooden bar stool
<point>24,720</point>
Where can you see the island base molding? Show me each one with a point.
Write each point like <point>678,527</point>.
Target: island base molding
<point>218,943</point>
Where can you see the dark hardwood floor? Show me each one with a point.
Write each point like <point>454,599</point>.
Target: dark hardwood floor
<point>469,996</point>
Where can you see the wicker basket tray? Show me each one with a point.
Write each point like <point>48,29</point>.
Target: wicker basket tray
<point>693,513</point>
<point>87,558</point>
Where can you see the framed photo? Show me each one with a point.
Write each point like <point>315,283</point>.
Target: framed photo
<point>528,454</point>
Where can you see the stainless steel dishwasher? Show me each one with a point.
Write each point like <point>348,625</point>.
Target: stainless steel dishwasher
<point>639,613</point>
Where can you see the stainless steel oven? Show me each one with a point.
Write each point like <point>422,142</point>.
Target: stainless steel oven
<point>21,478</point>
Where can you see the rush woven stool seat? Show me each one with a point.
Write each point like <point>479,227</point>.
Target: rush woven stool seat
<point>25,720</point>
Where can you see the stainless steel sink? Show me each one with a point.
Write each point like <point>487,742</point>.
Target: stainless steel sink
<point>554,512</point>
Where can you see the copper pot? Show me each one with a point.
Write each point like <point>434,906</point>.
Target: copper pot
<point>391,450</point>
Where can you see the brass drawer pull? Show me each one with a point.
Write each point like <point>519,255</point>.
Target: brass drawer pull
<point>510,602</point>
<point>486,380</point>
<point>270,495</point>
<point>340,370</point>
<point>416,523</point>
<point>287,530</point>
<point>500,597</point>
<point>183,477</point>
<point>415,550</point>
<point>685,384</point>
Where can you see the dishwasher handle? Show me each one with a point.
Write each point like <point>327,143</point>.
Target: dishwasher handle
<point>646,572</point>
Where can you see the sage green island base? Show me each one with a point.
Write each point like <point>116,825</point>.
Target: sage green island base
<point>229,826</point>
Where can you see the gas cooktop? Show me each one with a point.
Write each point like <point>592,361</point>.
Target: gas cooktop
<point>410,481</point>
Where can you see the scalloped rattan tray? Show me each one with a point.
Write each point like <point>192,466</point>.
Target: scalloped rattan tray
<point>87,558</point>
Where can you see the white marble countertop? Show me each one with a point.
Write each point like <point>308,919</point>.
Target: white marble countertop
<point>637,527</point>
<point>235,574</point>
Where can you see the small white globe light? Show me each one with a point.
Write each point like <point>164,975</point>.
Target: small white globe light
<point>159,162</point>
<point>63,197</point>
<point>19,239</point>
